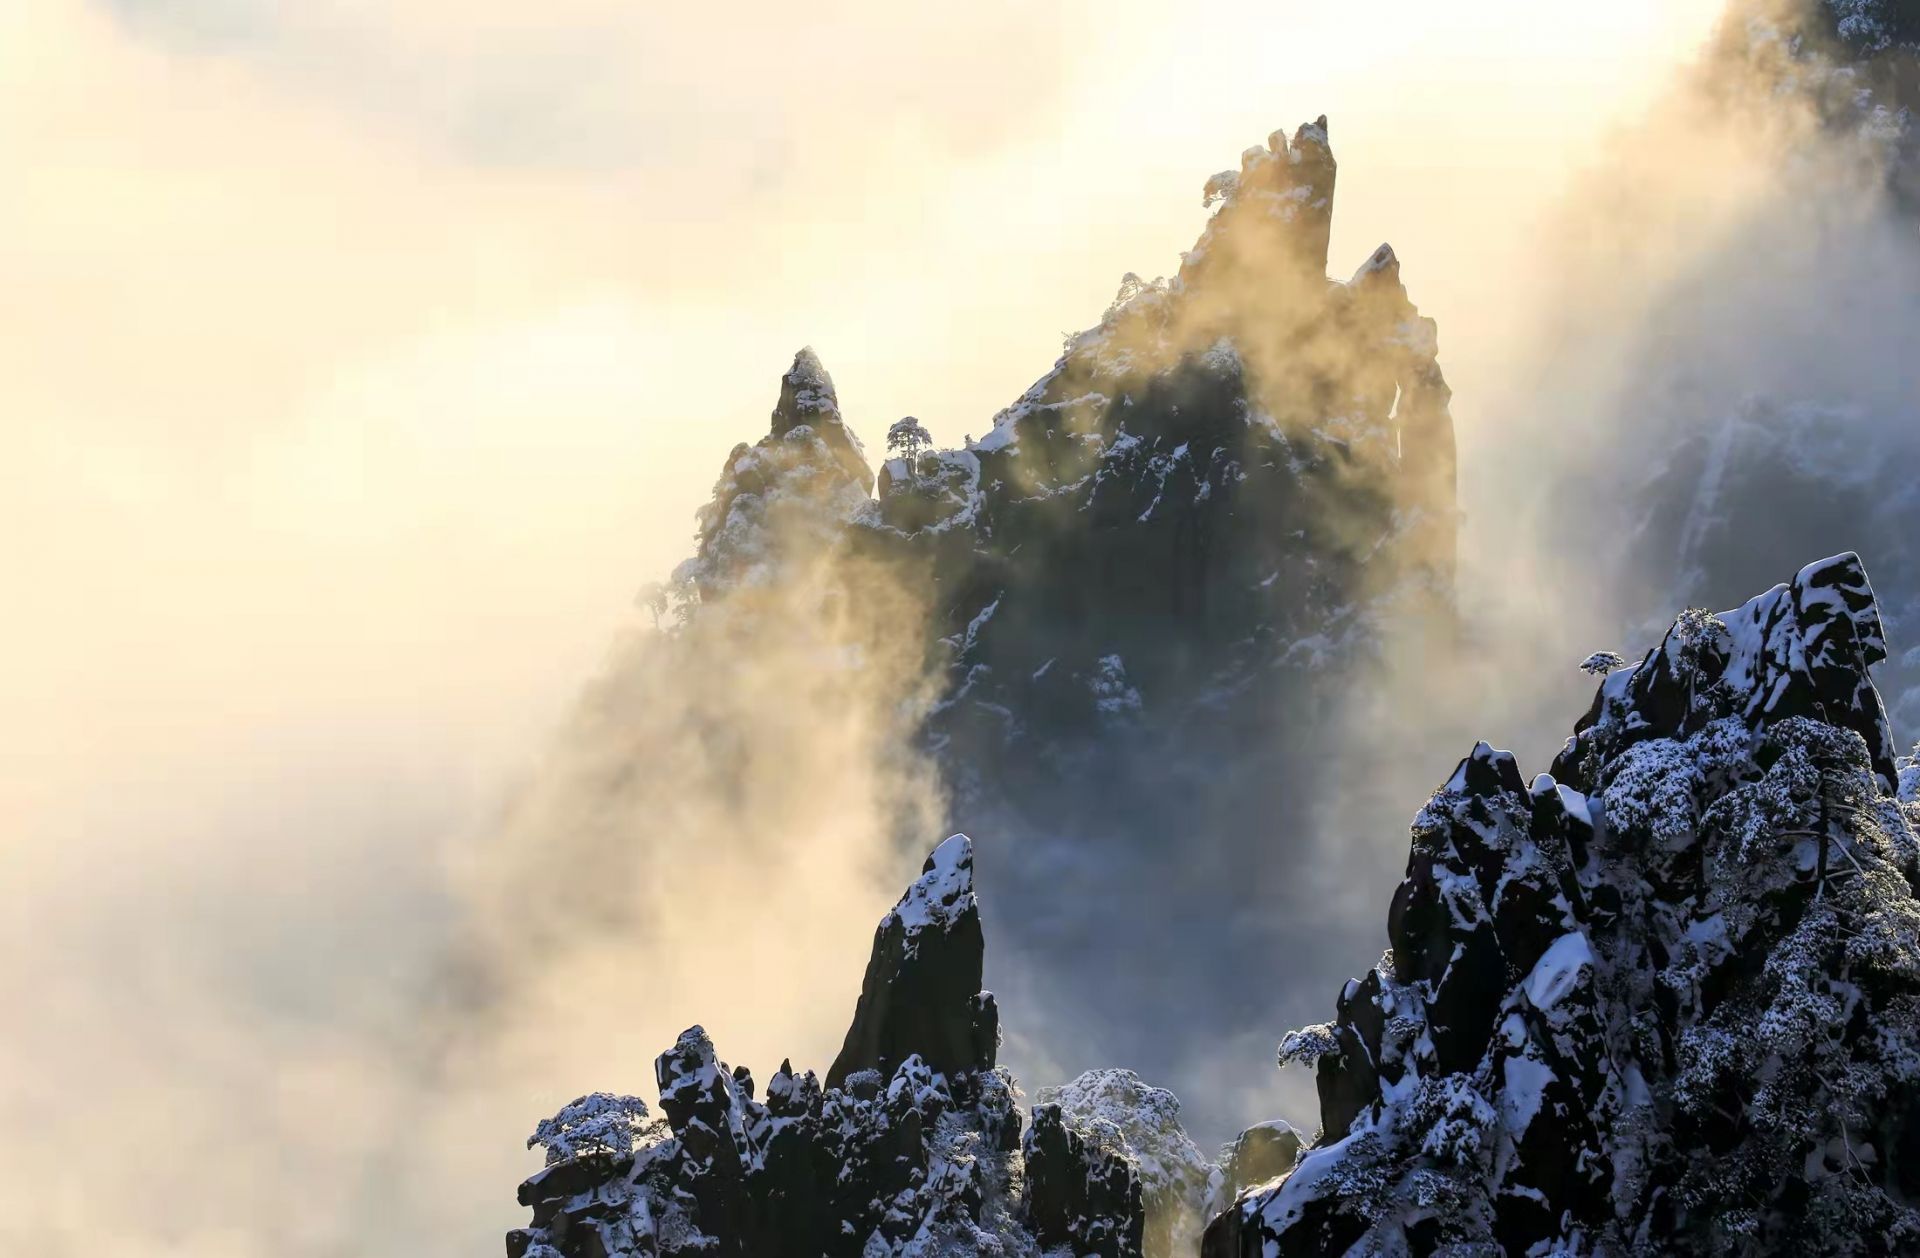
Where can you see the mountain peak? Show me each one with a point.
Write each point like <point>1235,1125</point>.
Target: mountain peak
<point>806,394</point>
<point>921,994</point>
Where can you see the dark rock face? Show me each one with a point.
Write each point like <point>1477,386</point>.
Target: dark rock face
<point>1080,1196</point>
<point>1116,1110</point>
<point>1666,999</point>
<point>1232,461</point>
<point>901,1154</point>
<point>922,991</point>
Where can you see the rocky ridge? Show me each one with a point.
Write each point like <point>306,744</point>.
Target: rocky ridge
<point>913,1147</point>
<point>1235,466</point>
<point>1665,998</point>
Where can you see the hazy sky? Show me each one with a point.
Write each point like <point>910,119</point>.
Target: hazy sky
<point>359,360</point>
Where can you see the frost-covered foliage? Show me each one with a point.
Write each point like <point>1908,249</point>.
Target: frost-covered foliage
<point>1112,695</point>
<point>909,439</point>
<point>1873,26</point>
<point>599,1124</point>
<point>1600,663</point>
<point>1665,999</point>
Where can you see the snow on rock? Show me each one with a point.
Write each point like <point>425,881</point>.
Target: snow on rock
<point>1785,474</point>
<point>1665,999</point>
<point>905,1153</point>
<point>1115,1109</point>
<point>943,891</point>
<point>921,994</point>
<point>1558,970</point>
<point>789,497</point>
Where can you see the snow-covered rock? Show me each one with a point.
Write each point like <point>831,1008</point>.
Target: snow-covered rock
<point>912,1150</point>
<point>791,494</point>
<point>921,994</point>
<point>1663,999</point>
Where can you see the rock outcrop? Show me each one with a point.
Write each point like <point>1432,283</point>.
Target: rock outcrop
<point>921,994</point>
<point>1663,999</point>
<point>1233,461</point>
<point>903,1152</point>
<point>1081,1196</point>
<point>1775,479</point>
<point>789,497</point>
<point>1118,1111</point>
<point>1158,572</point>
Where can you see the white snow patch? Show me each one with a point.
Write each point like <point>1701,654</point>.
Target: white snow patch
<point>1558,970</point>
<point>944,889</point>
<point>979,622</point>
<point>1520,1099</point>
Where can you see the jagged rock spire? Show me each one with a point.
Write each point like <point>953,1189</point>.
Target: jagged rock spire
<point>906,1159</point>
<point>787,497</point>
<point>806,394</point>
<point>1277,221</point>
<point>807,398</point>
<point>921,993</point>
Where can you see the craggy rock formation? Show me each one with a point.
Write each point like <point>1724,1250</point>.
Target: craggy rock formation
<point>900,1154</point>
<point>1118,1111</point>
<point>1080,1194</point>
<point>1665,999</point>
<point>1146,588</point>
<point>922,990</point>
<point>1233,463</point>
<point>1774,479</point>
<point>788,497</point>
